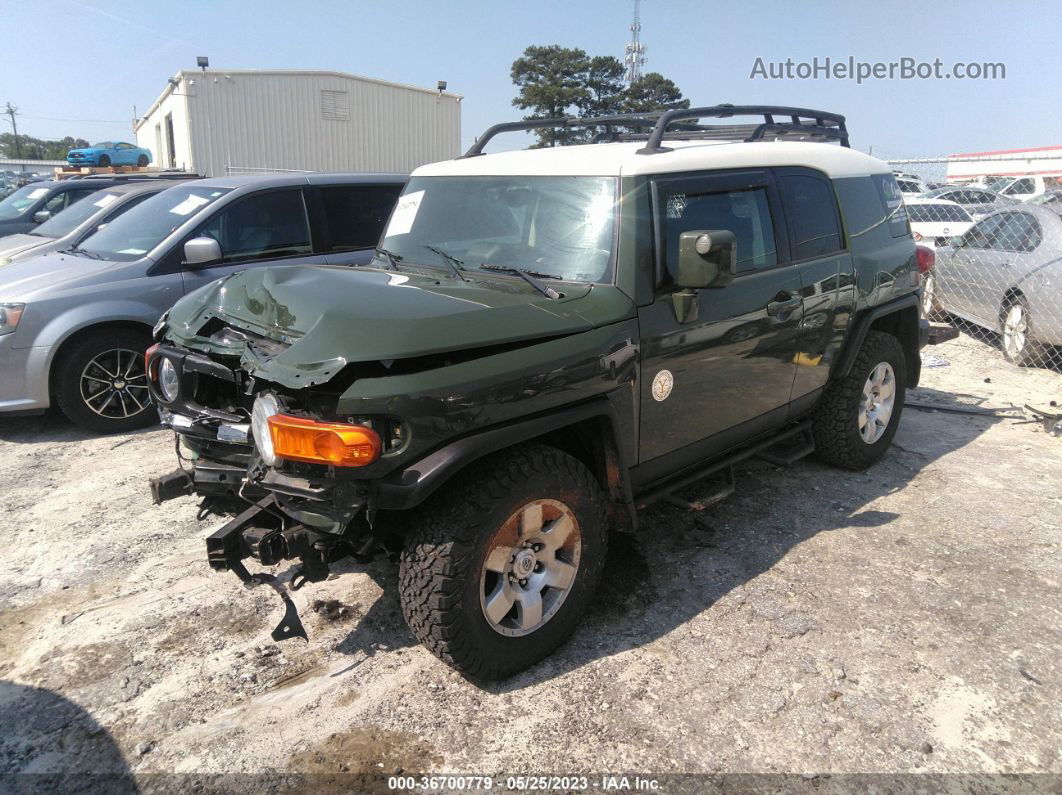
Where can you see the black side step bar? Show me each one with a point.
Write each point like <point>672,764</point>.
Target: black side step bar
<point>785,454</point>
<point>661,491</point>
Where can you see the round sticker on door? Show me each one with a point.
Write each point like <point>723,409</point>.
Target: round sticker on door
<point>662,384</point>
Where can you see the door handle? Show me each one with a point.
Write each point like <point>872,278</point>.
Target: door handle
<point>777,308</point>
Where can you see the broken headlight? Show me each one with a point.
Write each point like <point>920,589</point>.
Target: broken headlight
<point>265,406</point>
<point>169,381</point>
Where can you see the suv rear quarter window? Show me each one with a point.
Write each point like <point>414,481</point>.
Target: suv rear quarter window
<point>811,215</point>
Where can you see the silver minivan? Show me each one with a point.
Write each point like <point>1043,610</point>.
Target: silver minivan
<point>74,325</point>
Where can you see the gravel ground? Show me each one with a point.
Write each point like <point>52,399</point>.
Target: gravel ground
<point>906,619</point>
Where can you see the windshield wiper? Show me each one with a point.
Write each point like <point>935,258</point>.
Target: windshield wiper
<point>529,277</point>
<point>452,262</point>
<point>392,259</point>
<point>80,252</point>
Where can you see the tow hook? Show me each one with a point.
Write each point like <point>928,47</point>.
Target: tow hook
<point>225,550</point>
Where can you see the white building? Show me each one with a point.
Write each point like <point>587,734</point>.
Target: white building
<point>217,121</point>
<point>1044,161</point>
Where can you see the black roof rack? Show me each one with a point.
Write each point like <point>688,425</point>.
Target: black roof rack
<point>811,124</point>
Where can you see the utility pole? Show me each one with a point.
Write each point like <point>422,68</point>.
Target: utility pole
<point>634,52</point>
<point>11,110</point>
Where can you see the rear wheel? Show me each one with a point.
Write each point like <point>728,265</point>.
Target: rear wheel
<point>102,384</point>
<point>104,161</point>
<point>142,161</point>
<point>500,569</point>
<point>859,414</point>
<point>1019,347</point>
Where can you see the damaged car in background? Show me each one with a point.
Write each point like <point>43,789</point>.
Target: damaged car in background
<point>544,341</point>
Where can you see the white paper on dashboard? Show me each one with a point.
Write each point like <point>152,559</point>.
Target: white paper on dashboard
<point>37,193</point>
<point>106,201</point>
<point>405,214</point>
<point>193,202</point>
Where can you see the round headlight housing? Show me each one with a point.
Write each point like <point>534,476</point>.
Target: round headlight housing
<point>265,406</point>
<point>169,383</point>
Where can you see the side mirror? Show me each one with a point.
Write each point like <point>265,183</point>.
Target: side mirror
<point>41,216</point>
<point>202,251</point>
<point>707,258</point>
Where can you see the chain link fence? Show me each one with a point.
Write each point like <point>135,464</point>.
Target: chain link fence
<point>995,225</point>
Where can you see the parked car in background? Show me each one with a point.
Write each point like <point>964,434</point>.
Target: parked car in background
<point>933,221</point>
<point>31,205</point>
<point>74,325</point>
<point>1021,188</point>
<point>910,186</point>
<point>977,201</point>
<point>1050,196</point>
<point>1005,274</point>
<point>110,153</point>
<point>74,224</point>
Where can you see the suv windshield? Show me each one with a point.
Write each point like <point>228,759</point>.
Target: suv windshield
<point>133,234</point>
<point>20,201</point>
<point>559,226</point>
<point>73,216</point>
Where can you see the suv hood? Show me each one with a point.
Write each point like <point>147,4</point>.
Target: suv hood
<point>317,319</point>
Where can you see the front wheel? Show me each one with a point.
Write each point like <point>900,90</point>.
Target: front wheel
<point>142,161</point>
<point>101,383</point>
<point>859,414</point>
<point>103,161</point>
<point>501,569</point>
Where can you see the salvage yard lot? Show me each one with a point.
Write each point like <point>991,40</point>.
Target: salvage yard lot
<point>908,618</point>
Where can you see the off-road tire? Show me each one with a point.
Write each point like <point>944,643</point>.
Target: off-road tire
<point>441,564</point>
<point>835,425</point>
<point>67,384</point>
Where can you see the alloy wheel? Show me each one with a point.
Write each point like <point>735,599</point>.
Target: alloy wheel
<point>114,384</point>
<point>1015,330</point>
<point>530,567</point>
<point>877,402</point>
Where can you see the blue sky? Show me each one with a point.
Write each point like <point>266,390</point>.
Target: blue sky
<point>125,50</point>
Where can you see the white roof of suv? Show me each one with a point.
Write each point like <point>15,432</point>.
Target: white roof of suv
<point>622,159</point>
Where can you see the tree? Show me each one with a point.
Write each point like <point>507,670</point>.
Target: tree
<point>557,82</point>
<point>651,92</point>
<point>39,148</point>
<point>551,80</point>
<point>604,84</point>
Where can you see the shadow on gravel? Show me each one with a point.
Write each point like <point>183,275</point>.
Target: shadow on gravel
<point>50,744</point>
<point>683,561</point>
<point>52,426</point>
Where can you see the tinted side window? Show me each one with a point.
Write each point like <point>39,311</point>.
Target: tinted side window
<point>746,213</point>
<point>981,234</point>
<point>356,214</point>
<point>811,214</point>
<point>265,226</point>
<point>1018,232</point>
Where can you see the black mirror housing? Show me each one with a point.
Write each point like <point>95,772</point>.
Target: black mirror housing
<point>706,258</point>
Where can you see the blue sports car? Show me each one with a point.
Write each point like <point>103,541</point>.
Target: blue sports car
<point>109,153</point>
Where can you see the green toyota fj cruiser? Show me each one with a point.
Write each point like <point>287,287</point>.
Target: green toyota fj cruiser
<point>545,341</point>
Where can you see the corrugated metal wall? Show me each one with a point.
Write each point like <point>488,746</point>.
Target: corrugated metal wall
<point>283,121</point>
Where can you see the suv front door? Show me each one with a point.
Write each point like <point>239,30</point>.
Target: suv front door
<point>267,228</point>
<point>725,372</point>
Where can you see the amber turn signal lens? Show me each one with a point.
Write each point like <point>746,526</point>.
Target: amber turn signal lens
<point>335,443</point>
